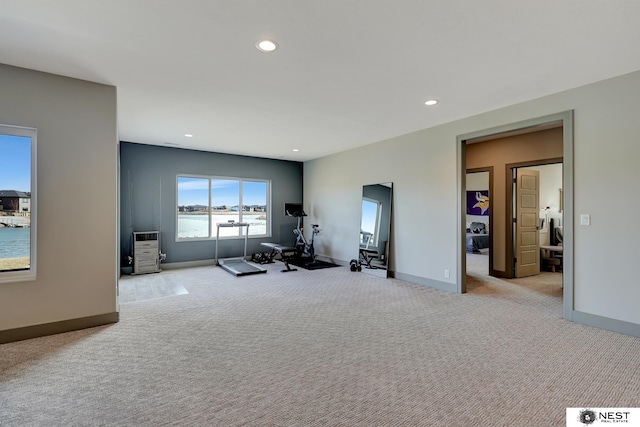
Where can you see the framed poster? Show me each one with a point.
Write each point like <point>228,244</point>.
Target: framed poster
<point>478,202</point>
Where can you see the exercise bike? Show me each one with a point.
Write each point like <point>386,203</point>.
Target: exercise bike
<point>305,247</point>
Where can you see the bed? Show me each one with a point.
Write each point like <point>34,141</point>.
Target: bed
<point>477,237</point>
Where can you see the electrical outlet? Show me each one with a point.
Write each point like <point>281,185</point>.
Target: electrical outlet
<point>446,273</point>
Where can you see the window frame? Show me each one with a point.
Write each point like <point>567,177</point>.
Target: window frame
<point>29,274</point>
<point>211,226</point>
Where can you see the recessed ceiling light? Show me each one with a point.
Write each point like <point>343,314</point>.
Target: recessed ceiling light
<point>188,135</point>
<point>296,149</point>
<point>267,45</point>
<point>431,102</point>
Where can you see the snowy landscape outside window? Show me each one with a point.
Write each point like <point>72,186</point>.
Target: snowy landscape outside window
<point>204,202</point>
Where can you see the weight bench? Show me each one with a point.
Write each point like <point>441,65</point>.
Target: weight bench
<point>368,255</point>
<point>287,253</point>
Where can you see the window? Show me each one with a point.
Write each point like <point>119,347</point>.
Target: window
<point>205,202</point>
<point>17,204</point>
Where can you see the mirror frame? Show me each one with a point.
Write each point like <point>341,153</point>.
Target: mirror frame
<point>374,258</point>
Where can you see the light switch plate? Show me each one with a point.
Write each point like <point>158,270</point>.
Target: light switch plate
<point>585,219</point>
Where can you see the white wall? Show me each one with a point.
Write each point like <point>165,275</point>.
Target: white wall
<point>422,165</point>
<point>76,197</point>
<point>550,185</point>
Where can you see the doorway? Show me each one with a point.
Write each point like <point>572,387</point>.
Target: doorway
<point>546,220</point>
<point>478,226</point>
<point>564,123</point>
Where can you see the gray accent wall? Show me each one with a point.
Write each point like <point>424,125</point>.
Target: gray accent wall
<point>148,196</point>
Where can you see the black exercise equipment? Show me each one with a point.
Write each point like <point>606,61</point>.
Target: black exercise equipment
<point>261,258</point>
<point>367,254</point>
<point>355,265</point>
<point>304,247</point>
<point>287,253</point>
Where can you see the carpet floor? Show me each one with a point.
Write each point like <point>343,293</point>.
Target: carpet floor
<point>321,348</point>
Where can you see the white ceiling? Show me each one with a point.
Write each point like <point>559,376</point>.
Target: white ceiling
<point>347,72</point>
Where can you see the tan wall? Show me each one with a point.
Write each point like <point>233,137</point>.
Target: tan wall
<point>77,177</point>
<point>545,144</point>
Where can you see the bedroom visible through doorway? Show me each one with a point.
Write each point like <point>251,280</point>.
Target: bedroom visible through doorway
<point>478,218</point>
<point>498,147</point>
<point>548,277</point>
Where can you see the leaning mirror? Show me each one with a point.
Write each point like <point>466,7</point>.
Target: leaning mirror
<point>375,228</point>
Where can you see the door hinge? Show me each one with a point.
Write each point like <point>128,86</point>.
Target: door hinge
<point>515,220</point>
